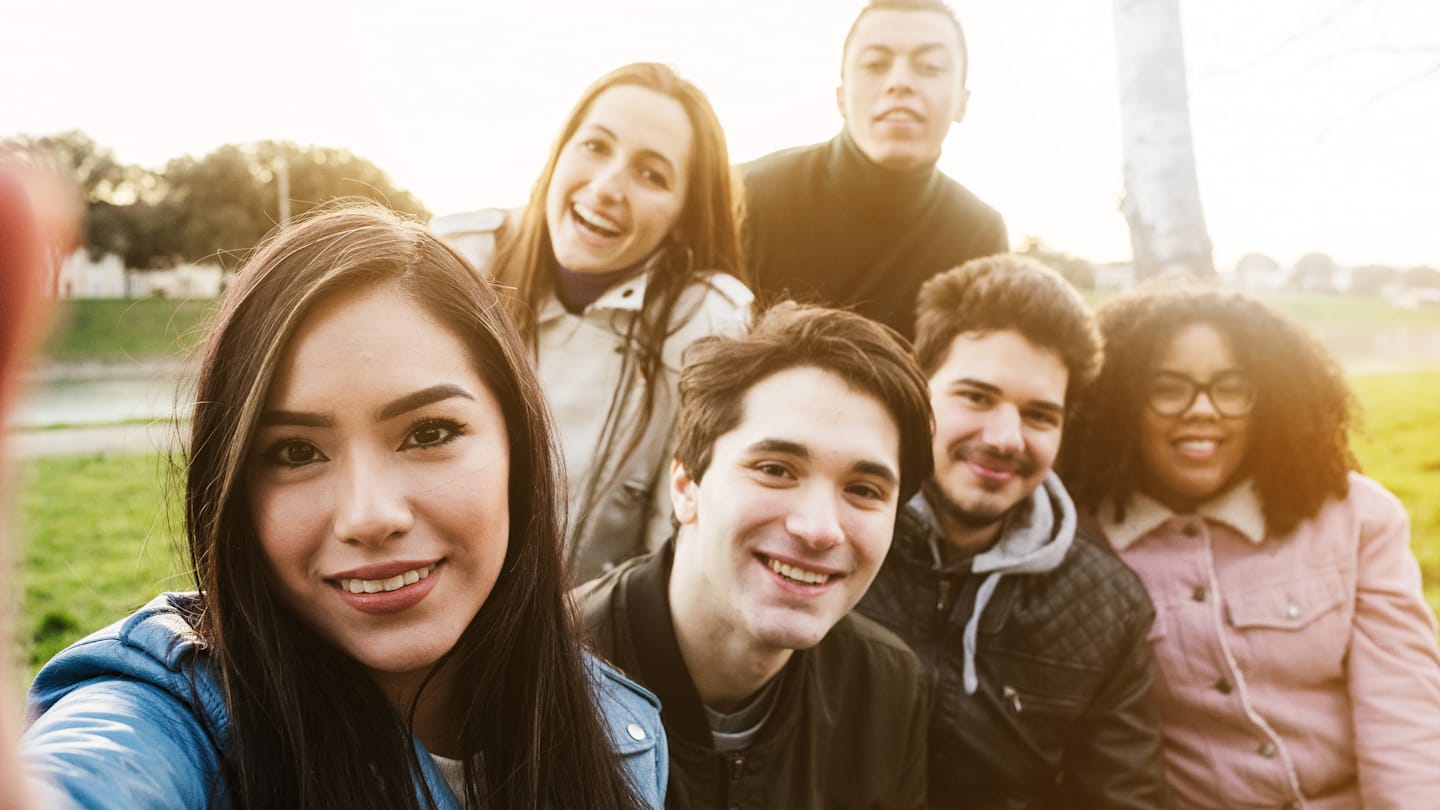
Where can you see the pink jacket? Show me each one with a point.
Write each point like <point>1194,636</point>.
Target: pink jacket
<point>1291,672</point>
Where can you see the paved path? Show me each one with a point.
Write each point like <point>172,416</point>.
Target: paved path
<point>154,437</point>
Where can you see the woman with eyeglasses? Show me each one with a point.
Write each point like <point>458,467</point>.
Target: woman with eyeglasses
<point>1296,661</point>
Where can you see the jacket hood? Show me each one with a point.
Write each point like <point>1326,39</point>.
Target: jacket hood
<point>1034,539</point>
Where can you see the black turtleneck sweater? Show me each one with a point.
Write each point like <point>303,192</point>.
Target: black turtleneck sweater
<point>826,225</point>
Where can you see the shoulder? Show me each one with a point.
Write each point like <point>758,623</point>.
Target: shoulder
<point>719,294</point>
<point>156,645</point>
<point>712,304</point>
<point>862,645</point>
<point>964,202</point>
<point>1092,588</point>
<point>764,171</point>
<point>621,697</point>
<point>631,717</point>
<point>472,233</point>
<point>1370,498</point>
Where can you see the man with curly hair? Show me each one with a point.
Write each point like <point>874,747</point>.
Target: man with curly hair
<point>1034,635</point>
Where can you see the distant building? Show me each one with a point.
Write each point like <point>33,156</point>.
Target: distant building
<point>80,277</point>
<point>1114,277</point>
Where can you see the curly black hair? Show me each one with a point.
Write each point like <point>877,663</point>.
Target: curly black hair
<point>1299,453</point>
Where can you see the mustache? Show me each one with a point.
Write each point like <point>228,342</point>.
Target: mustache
<point>986,456</point>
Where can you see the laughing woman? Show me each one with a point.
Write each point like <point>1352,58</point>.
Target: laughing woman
<point>1295,654</point>
<point>626,253</point>
<point>372,510</point>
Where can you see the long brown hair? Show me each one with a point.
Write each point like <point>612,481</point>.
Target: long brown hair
<point>705,241</point>
<point>304,727</point>
<point>1299,454</point>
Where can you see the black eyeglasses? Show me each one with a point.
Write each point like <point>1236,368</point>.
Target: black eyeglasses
<point>1170,394</point>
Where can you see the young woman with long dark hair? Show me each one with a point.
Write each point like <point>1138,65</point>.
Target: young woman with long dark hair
<point>1296,663</point>
<point>626,253</point>
<point>372,509</point>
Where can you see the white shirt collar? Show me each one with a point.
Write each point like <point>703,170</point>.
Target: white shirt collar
<point>1238,507</point>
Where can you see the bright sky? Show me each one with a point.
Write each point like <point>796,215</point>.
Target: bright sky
<point>459,99</point>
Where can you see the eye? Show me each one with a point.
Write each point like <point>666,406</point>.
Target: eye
<point>773,469</point>
<point>292,452</point>
<point>1043,418</point>
<point>875,65</point>
<point>929,69</point>
<point>868,491</point>
<point>432,433</point>
<point>594,146</point>
<point>655,178</point>
<point>979,399</point>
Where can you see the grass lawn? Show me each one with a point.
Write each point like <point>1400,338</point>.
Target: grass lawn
<point>102,538</point>
<point>117,330</point>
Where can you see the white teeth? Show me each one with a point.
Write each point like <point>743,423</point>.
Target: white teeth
<point>595,221</point>
<point>799,574</point>
<point>394,583</point>
<point>900,115</point>
<point>1196,445</point>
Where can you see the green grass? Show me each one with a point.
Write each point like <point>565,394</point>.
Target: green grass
<point>101,535</point>
<point>115,330</point>
<point>97,542</point>
<point>1399,446</point>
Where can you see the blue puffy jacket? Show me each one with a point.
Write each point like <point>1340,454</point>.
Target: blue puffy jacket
<point>115,722</point>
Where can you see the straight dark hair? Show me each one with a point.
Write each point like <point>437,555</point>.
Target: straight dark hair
<point>705,241</point>
<point>307,724</point>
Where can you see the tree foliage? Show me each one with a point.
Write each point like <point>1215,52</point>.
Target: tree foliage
<point>1076,270</point>
<point>215,207</point>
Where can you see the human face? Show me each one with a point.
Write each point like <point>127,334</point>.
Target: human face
<point>794,514</point>
<point>379,482</point>
<point>1187,459</point>
<point>902,87</point>
<point>619,185</point>
<point>999,404</point>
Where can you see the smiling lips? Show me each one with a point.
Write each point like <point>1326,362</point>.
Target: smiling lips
<point>900,115</point>
<point>389,588</point>
<point>795,574</point>
<point>1196,448</point>
<point>591,220</point>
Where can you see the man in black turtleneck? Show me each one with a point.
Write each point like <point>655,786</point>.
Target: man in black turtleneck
<point>863,220</point>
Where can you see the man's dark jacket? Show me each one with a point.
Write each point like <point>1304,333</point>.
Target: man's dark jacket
<point>1059,717</point>
<point>847,731</point>
<point>825,224</point>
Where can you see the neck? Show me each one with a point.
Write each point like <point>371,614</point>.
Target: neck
<point>434,721</point>
<point>897,193</point>
<point>726,665</point>
<point>963,538</point>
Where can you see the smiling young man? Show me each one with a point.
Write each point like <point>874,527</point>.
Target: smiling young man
<point>862,220</point>
<point>796,445</point>
<point>1034,635</point>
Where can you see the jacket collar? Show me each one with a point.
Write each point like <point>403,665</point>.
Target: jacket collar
<point>1034,537</point>
<point>624,296</point>
<point>1237,507</point>
<point>662,667</point>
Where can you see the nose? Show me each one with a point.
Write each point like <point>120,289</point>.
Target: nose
<point>370,506</point>
<point>815,522</point>
<point>1002,430</point>
<point>608,181</point>
<point>1202,407</point>
<point>898,79</point>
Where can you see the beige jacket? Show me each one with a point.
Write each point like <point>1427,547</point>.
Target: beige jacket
<point>586,369</point>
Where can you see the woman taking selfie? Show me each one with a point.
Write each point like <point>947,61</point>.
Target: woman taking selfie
<point>626,253</point>
<point>1295,653</point>
<point>371,507</point>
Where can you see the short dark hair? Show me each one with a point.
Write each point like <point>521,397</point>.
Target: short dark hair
<point>910,5</point>
<point>1006,292</point>
<point>1299,454</point>
<point>872,359</point>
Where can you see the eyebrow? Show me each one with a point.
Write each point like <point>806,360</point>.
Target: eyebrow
<point>970,382</point>
<point>918,50</point>
<point>390,410</point>
<point>878,469</point>
<point>643,152</point>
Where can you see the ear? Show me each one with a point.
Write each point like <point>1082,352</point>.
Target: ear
<point>961,103</point>
<point>840,100</point>
<point>684,494</point>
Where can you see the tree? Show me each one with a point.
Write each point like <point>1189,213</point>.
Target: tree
<point>1372,279</point>
<point>1162,190</point>
<point>224,202</point>
<point>1422,276</point>
<point>1314,271</point>
<point>1076,270</point>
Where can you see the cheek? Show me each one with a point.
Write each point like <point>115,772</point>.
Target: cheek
<point>289,525</point>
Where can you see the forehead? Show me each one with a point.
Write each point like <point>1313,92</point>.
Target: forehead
<point>819,410</point>
<point>370,341</point>
<point>643,119</point>
<point>903,31</point>
<point>1006,360</point>
<point>1197,347</point>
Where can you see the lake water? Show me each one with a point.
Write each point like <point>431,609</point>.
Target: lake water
<point>111,399</point>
